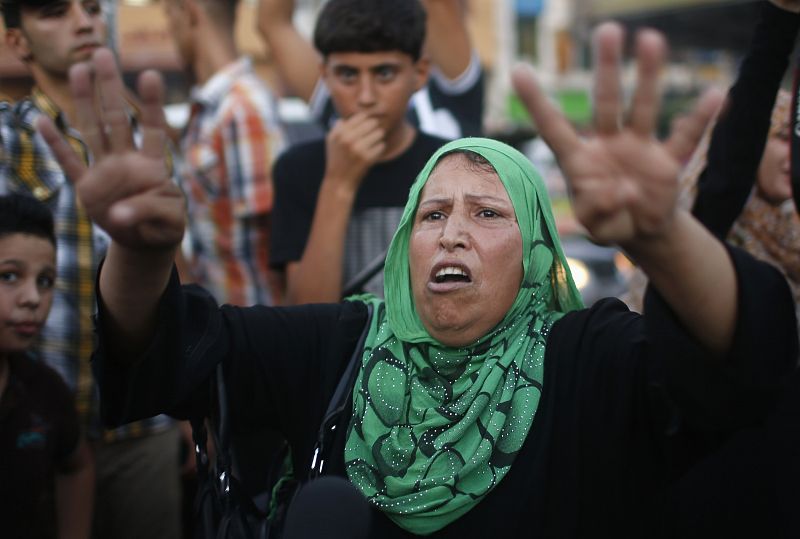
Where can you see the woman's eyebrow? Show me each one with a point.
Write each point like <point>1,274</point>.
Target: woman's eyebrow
<point>487,198</point>
<point>437,201</point>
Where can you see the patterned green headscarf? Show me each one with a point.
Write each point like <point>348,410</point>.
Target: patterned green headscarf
<point>436,428</point>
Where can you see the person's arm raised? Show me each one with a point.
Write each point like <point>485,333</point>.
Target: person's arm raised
<point>624,187</point>
<point>447,39</point>
<point>126,191</point>
<point>294,55</point>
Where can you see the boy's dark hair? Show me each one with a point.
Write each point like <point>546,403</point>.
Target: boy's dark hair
<point>371,26</point>
<point>12,9</point>
<point>21,214</point>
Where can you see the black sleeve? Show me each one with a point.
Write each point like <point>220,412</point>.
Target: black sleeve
<point>280,364</point>
<point>293,210</point>
<point>737,391</point>
<point>738,139</point>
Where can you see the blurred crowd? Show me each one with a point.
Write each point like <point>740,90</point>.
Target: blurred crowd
<point>272,219</point>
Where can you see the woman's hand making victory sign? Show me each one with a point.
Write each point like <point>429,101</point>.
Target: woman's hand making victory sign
<point>126,190</point>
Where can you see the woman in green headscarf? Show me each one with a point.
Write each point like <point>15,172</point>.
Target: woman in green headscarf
<point>485,401</point>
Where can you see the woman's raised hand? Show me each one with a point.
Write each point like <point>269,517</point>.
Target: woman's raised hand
<point>126,190</point>
<point>623,181</point>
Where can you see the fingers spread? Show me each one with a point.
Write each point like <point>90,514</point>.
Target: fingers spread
<point>554,128</point>
<point>114,114</point>
<point>70,162</point>
<point>87,121</point>
<point>687,132</point>
<point>607,89</point>
<point>152,122</point>
<point>650,52</point>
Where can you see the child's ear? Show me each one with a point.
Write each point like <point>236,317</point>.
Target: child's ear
<point>422,69</point>
<point>17,43</point>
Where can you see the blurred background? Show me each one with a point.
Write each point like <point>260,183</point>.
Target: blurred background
<point>707,39</point>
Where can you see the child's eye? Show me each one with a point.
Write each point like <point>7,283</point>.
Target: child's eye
<point>45,281</point>
<point>386,73</point>
<point>8,276</point>
<point>92,8</point>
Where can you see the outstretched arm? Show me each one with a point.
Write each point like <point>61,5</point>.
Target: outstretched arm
<point>624,187</point>
<point>126,191</point>
<point>295,57</point>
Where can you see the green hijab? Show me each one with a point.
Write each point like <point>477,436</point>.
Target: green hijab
<point>435,428</point>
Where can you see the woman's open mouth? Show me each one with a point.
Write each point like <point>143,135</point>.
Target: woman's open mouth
<point>447,277</point>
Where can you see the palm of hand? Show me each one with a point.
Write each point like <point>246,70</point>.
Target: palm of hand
<point>623,182</point>
<point>141,208</point>
<point>623,186</point>
<point>127,190</point>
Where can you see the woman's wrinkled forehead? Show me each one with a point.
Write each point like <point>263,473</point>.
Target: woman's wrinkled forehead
<point>449,173</point>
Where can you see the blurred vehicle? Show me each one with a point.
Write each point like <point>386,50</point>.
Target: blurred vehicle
<point>599,271</point>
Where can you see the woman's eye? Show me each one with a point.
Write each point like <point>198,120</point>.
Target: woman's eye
<point>488,213</point>
<point>434,216</point>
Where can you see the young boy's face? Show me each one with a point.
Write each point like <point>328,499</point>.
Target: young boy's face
<point>27,276</point>
<point>378,83</point>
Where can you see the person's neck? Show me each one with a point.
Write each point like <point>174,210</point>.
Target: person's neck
<point>214,52</point>
<point>57,90</point>
<point>399,140</point>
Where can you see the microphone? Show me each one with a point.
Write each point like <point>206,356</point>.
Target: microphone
<point>328,507</point>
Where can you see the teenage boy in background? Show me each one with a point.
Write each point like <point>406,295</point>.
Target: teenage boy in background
<point>137,468</point>
<point>450,105</point>
<point>339,200</point>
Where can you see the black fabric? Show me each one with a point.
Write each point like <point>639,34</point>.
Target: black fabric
<point>621,417</point>
<point>465,107</point>
<point>298,174</point>
<point>38,431</point>
<point>740,134</point>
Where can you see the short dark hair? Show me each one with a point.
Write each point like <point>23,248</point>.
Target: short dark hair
<point>12,10</point>
<point>20,214</point>
<point>371,26</point>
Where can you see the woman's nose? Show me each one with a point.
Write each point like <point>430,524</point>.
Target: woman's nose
<point>454,233</point>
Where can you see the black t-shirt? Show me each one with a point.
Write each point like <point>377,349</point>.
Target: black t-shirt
<point>628,404</point>
<point>379,204</point>
<point>38,430</point>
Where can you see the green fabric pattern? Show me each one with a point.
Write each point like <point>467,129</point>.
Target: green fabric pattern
<point>435,428</point>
